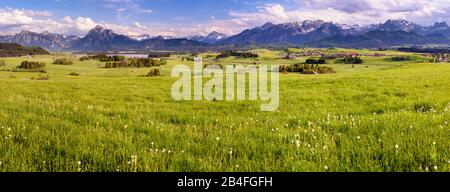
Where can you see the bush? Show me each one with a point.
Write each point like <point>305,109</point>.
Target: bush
<point>401,58</point>
<point>351,60</point>
<point>43,78</point>
<point>315,61</point>
<point>423,107</point>
<point>154,73</point>
<point>85,58</point>
<point>306,69</point>
<point>187,58</point>
<point>31,67</point>
<point>74,74</point>
<point>63,62</point>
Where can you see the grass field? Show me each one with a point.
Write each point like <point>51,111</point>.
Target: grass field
<point>376,116</point>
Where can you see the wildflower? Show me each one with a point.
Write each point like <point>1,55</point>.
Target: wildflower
<point>326,167</point>
<point>237,166</point>
<point>217,138</point>
<point>435,167</point>
<point>434,143</point>
<point>426,168</point>
<point>448,161</point>
<point>358,137</point>
<point>126,126</point>
<point>152,143</point>
<point>9,128</point>
<point>396,146</point>
<point>297,143</point>
<point>231,152</point>
<point>79,162</point>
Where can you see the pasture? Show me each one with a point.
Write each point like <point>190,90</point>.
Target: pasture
<point>377,116</point>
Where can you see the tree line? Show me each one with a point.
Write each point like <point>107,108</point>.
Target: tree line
<point>306,69</point>
<point>136,63</point>
<point>230,53</point>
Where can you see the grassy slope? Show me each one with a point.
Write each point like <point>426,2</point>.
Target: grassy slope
<point>349,121</point>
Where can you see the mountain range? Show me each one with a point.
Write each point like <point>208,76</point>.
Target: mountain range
<point>307,34</point>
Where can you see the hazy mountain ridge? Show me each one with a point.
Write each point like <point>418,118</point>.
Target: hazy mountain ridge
<point>307,33</point>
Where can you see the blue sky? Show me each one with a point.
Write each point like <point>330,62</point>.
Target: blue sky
<point>182,17</point>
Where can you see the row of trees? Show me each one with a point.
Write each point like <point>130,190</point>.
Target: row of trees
<point>103,58</point>
<point>159,54</point>
<point>351,60</point>
<point>230,53</point>
<point>315,61</point>
<point>306,69</point>
<point>63,61</point>
<point>136,63</point>
<point>30,66</point>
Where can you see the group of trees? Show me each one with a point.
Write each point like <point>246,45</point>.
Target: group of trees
<point>104,58</point>
<point>401,58</point>
<point>30,66</point>
<point>306,69</point>
<point>351,60</point>
<point>153,73</point>
<point>159,54</point>
<point>63,61</point>
<point>315,61</point>
<point>136,63</point>
<point>230,53</point>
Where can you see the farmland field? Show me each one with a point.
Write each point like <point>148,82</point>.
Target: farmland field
<point>377,116</point>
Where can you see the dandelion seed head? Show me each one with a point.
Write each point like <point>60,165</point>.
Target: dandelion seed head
<point>435,167</point>
<point>326,167</point>
<point>396,146</point>
<point>217,138</point>
<point>125,126</point>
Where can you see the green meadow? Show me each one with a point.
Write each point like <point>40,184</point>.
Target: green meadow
<point>379,116</point>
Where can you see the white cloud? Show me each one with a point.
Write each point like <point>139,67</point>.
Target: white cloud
<point>14,17</point>
<point>424,12</point>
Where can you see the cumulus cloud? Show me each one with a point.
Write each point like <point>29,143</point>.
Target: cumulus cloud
<point>424,12</point>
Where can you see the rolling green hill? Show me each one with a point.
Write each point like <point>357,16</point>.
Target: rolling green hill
<point>16,50</point>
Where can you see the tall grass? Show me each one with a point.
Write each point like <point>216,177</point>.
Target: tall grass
<point>382,118</point>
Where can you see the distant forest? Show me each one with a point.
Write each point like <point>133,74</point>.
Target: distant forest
<point>16,50</point>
